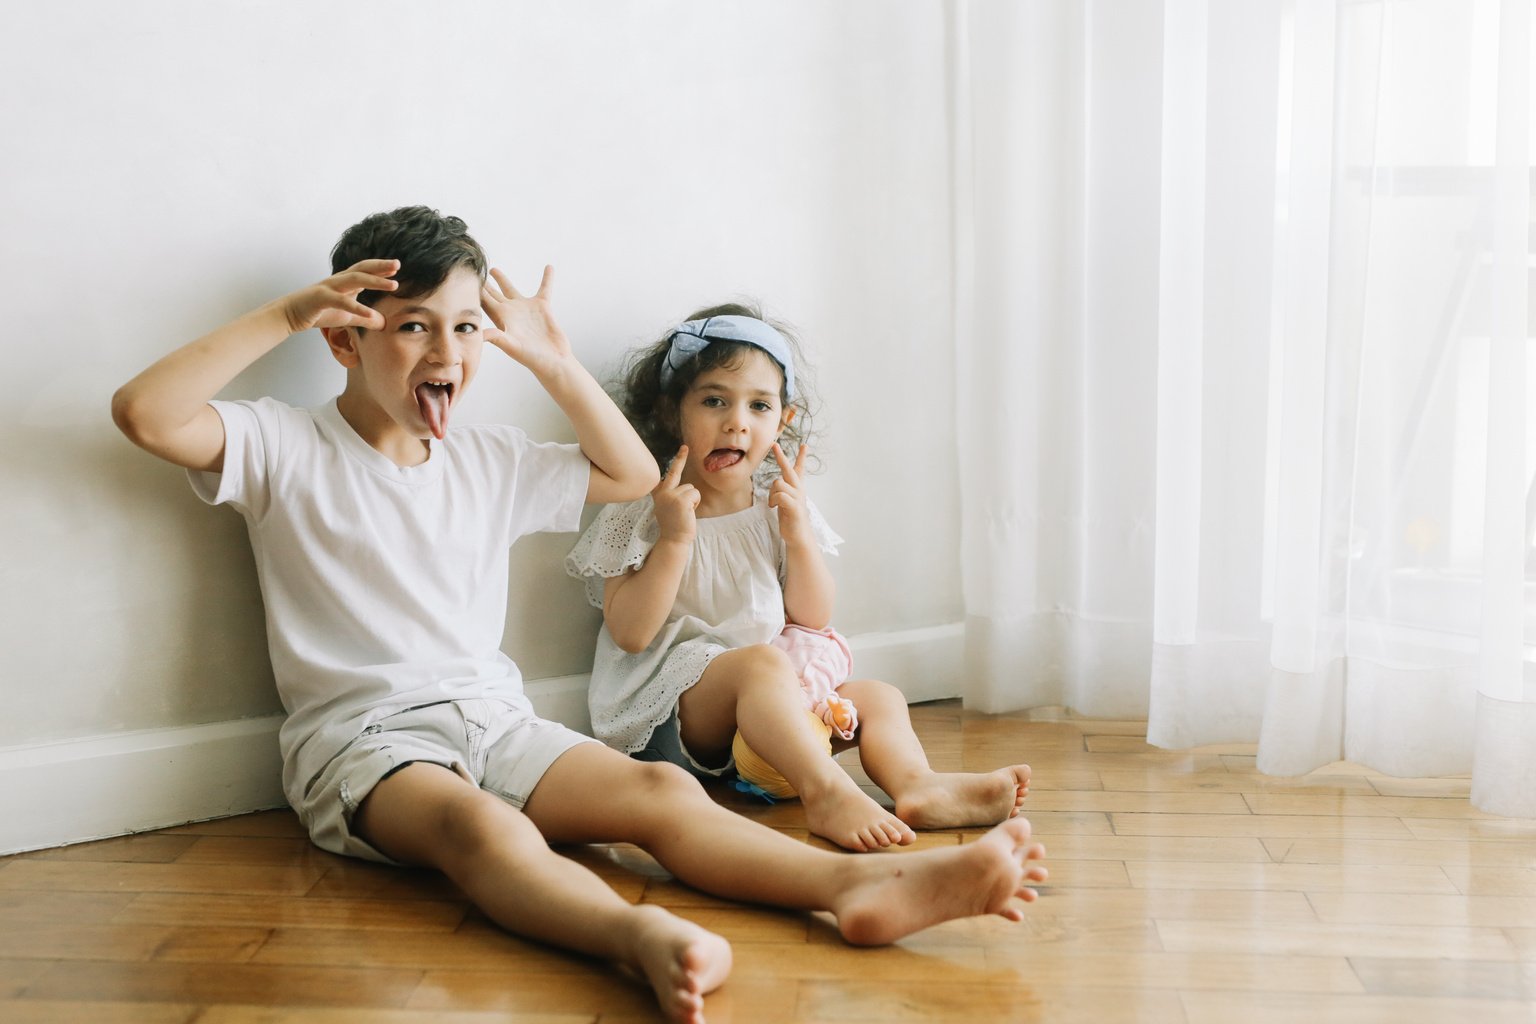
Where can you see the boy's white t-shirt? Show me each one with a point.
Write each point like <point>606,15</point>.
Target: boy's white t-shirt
<point>385,587</point>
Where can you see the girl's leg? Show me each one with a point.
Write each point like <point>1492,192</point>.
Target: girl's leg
<point>755,689</point>
<point>425,814</point>
<point>893,758</point>
<point>592,794</point>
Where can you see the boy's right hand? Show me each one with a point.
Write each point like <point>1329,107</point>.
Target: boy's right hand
<point>165,409</point>
<point>676,502</point>
<point>333,302</point>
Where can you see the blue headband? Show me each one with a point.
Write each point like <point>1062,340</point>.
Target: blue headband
<point>691,338</point>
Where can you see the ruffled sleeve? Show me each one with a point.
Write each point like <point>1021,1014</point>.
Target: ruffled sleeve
<point>619,539</point>
<point>826,538</point>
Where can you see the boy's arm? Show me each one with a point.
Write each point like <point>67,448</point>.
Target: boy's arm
<point>165,409</point>
<point>809,590</point>
<point>622,467</point>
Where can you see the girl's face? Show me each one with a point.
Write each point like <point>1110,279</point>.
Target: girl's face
<point>731,416</point>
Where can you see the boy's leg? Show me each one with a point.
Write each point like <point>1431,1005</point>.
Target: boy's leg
<point>593,794</point>
<point>755,689</point>
<point>894,760</point>
<point>425,814</point>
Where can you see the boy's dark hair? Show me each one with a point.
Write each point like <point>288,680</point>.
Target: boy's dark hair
<point>428,245</point>
<point>653,410</point>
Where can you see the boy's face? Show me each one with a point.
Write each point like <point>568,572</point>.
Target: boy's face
<point>403,381</point>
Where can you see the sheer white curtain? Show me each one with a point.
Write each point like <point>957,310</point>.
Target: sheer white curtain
<point>1246,432</point>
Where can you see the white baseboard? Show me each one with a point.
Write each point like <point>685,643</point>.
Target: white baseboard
<point>73,791</point>
<point>924,663</point>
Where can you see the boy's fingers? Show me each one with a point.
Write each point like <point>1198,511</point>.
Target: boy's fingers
<point>546,283</point>
<point>506,285</point>
<point>359,281</point>
<point>490,301</point>
<point>369,316</point>
<point>386,267</point>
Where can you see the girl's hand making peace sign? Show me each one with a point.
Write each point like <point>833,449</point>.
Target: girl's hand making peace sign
<point>788,496</point>
<point>676,502</point>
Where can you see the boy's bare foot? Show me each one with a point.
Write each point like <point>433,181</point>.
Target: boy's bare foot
<point>957,799</point>
<point>849,817</point>
<point>681,961</point>
<point>893,896</point>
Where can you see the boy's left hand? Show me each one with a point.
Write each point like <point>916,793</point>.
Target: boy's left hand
<point>788,496</point>
<point>525,325</point>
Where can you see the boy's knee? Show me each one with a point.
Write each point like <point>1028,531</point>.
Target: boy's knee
<point>662,780</point>
<point>471,821</point>
<point>660,795</point>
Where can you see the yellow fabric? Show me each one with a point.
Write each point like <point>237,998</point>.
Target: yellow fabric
<point>763,775</point>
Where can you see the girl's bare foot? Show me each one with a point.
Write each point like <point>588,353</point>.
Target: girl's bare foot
<point>681,961</point>
<point>957,799</point>
<point>891,897</point>
<point>849,817</point>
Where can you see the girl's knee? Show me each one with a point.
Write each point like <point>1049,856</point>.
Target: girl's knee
<point>868,693</point>
<point>766,665</point>
<point>740,670</point>
<point>764,658</point>
<point>735,670</point>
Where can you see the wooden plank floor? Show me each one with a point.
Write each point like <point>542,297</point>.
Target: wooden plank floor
<point>1185,888</point>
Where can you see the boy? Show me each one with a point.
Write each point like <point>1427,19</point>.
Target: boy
<point>380,539</point>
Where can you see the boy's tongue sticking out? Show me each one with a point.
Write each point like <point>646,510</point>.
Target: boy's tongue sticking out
<point>433,400</point>
<point>722,458</point>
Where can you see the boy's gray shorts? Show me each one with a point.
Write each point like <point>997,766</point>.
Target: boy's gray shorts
<point>499,746</point>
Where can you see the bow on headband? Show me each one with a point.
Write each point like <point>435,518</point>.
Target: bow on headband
<point>690,338</point>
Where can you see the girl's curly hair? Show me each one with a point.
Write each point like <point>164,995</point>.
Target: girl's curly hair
<point>654,410</point>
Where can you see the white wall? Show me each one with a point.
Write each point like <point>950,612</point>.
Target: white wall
<point>168,165</point>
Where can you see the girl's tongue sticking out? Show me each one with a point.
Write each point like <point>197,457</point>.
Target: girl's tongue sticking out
<point>433,399</point>
<point>721,458</point>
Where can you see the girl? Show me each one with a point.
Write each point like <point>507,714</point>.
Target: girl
<point>699,578</point>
